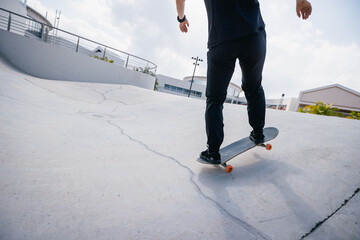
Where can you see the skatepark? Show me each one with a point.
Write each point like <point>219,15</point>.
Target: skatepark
<point>108,161</point>
<point>96,154</point>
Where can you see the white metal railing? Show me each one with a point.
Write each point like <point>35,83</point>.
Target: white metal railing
<point>28,27</point>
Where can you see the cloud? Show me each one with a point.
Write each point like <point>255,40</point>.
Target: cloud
<point>305,59</point>
<point>335,64</point>
<point>155,30</point>
<point>170,56</point>
<point>300,55</point>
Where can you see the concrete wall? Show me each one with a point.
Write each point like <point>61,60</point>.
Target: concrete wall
<point>52,62</point>
<point>293,106</point>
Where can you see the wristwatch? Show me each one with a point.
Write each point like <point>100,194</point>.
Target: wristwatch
<point>181,20</point>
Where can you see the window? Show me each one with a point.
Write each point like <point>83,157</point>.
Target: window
<point>182,90</point>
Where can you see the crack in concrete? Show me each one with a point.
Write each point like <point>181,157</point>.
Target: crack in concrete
<point>274,219</point>
<point>317,225</point>
<point>102,94</point>
<point>53,92</point>
<point>18,101</point>
<point>222,209</point>
<point>105,98</point>
<point>257,233</point>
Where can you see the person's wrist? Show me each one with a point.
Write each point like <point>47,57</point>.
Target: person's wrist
<point>181,20</point>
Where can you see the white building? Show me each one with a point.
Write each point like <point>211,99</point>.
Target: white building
<point>178,87</point>
<point>286,104</point>
<point>198,88</point>
<point>35,28</point>
<point>343,98</point>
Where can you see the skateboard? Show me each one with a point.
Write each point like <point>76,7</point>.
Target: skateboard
<point>230,151</point>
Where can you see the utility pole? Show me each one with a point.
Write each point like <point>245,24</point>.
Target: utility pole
<point>196,64</point>
<point>281,100</point>
<point>56,22</point>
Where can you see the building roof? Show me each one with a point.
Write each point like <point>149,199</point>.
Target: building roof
<point>37,16</point>
<point>341,97</point>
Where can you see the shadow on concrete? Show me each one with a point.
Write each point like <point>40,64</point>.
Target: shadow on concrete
<point>259,174</point>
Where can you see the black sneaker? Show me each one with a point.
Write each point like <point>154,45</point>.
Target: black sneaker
<point>213,157</point>
<point>257,138</point>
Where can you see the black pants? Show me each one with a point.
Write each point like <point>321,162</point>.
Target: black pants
<point>251,51</point>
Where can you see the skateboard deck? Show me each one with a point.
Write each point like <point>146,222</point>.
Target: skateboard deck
<point>234,149</point>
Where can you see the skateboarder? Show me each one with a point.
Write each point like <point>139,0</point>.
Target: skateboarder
<point>236,31</point>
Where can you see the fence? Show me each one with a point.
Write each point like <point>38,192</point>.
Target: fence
<point>32,28</point>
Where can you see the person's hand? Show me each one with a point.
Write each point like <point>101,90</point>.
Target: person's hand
<point>303,9</point>
<point>184,26</point>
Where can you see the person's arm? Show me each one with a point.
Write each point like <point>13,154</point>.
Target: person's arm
<point>180,7</point>
<point>303,9</point>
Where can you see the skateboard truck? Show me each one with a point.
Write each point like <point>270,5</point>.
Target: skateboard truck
<point>267,146</point>
<point>230,168</point>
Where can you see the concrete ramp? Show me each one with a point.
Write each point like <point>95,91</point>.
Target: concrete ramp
<point>106,161</point>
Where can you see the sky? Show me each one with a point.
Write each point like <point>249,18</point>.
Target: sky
<point>301,55</point>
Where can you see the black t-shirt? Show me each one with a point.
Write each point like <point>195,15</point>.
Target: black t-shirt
<point>231,19</point>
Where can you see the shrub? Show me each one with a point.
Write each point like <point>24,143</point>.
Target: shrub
<point>321,108</point>
<point>104,59</point>
<point>354,115</point>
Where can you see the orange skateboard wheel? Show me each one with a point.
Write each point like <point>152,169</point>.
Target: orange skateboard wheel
<point>268,147</point>
<point>229,168</point>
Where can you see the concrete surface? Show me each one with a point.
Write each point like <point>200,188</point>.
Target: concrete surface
<point>107,161</point>
<point>344,224</point>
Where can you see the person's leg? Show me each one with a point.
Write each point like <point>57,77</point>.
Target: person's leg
<point>221,64</point>
<point>252,60</point>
